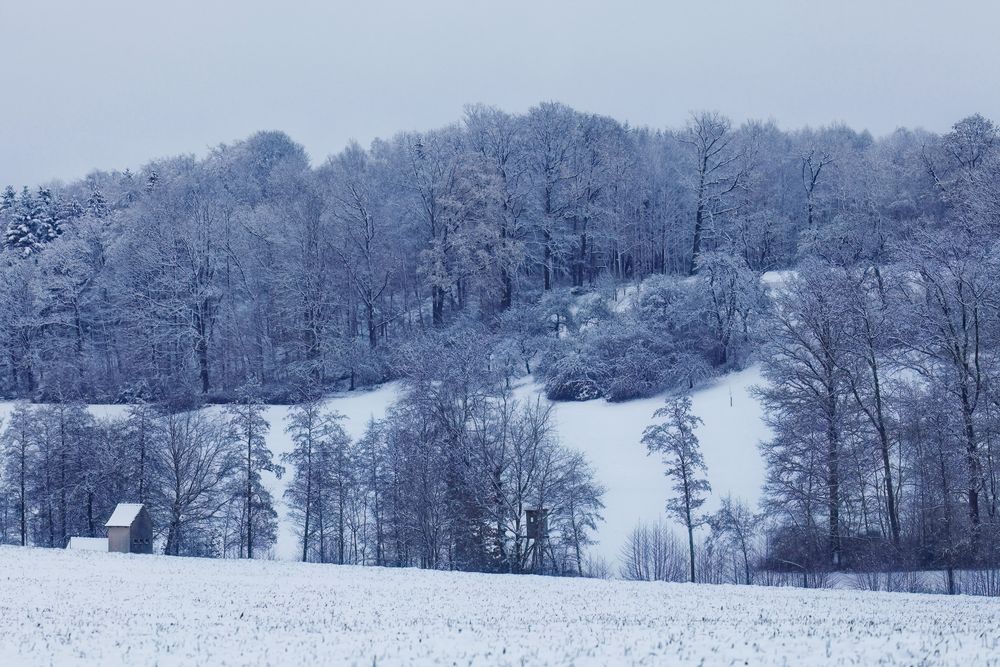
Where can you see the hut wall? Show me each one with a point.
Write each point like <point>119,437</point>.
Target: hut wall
<point>118,540</point>
<point>142,534</point>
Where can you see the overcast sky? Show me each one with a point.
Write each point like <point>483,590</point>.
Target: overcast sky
<point>114,83</point>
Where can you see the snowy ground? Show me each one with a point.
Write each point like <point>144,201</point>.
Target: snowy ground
<point>608,433</point>
<point>67,608</point>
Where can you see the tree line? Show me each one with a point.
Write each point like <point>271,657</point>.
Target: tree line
<point>250,265</point>
<point>880,357</point>
<point>879,360</point>
<point>444,481</point>
<point>198,472</point>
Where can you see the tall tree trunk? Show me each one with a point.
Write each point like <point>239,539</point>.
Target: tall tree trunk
<point>437,305</point>
<point>249,495</point>
<point>699,220</point>
<point>883,435</point>
<point>201,349</point>
<point>305,527</point>
<point>975,469</point>
<point>690,530</point>
<point>833,490</point>
<point>507,293</point>
<point>372,328</point>
<point>23,493</point>
<point>546,260</point>
<point>877,418</point>
<point>91,524</point>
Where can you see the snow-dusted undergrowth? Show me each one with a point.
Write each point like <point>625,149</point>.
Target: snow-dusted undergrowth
<point>89,608</point>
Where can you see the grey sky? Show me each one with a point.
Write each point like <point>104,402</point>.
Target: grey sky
<point>113,83</point>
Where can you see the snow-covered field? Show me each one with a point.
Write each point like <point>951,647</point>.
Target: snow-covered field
<point>63,608</point>
<point>608,433</point>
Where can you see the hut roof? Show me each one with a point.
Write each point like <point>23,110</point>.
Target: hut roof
<point>124,515</point>
<point>88,543</point>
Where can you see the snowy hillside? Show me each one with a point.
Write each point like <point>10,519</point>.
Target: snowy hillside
<point>109,609</point>
<point>608,433</point>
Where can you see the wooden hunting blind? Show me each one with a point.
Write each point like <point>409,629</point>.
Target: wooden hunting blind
<point>537,524</point>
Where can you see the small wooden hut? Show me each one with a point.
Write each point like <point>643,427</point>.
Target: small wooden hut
<point>130,530</point>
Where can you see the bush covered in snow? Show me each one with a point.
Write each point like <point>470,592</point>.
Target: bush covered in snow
<point>673,333</point>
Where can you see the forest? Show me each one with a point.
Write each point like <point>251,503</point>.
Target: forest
<point>607,261</point>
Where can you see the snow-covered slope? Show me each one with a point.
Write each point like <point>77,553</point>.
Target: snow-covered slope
<point>608,433</point>
<point>80,608</point>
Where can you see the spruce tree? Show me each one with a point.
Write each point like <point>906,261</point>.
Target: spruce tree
<point>21,234</point>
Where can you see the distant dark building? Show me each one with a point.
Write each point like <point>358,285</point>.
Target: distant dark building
<point>538,534</point>
<point>130,530</point>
